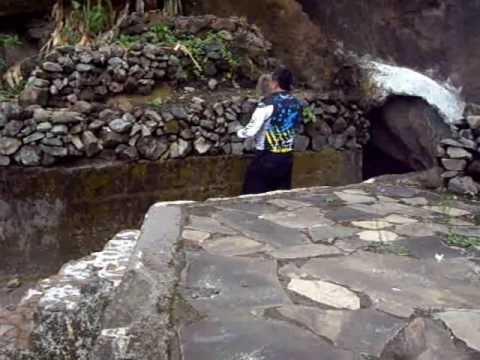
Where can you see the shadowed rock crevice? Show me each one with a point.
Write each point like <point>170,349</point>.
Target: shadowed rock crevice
<point>405,133</point>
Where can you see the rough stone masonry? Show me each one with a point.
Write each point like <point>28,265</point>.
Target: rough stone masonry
<point>63,114</point>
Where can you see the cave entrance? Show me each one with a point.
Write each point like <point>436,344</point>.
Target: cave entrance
<point>376,161</point>
<point>405,131</point>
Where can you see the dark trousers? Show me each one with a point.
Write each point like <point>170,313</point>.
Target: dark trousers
<point>268,172</point>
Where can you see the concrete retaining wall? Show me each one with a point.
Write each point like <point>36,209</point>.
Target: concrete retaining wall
<point>49,216</point>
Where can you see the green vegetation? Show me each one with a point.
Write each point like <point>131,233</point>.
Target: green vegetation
<point>164,35</point>
<point>453,238</point>
<point>84,21</point>
<point>87,20</point>
<point>158,102</point>
<point>127,41</point>
<point>462,241</point>
<point>309,115</point>
<point>96,17</point>
<point>7,94</point>
<point>9,40</point>
<point>213,44</point>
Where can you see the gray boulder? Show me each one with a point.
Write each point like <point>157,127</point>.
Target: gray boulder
<point>4,160</point>
<point>408,129</point>
<point>28,156</point>
<point>454,164</point>
<point>463,185</point>
<point>152,148</point>
<point>52,67</point>
<point>55,151</point>
<point>67,117</point>
<point>301,143</point>
<point>91,143</point>
<point>180,149</point>
<point>33,95</point>
<point>9,146</point>
<point>458,153</point>
<point>202,146</point>
<point>125,152</point>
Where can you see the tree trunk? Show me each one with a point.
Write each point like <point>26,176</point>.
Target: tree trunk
<point>140,6</point>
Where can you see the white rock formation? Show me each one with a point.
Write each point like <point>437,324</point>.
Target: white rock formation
<point>395,80</point>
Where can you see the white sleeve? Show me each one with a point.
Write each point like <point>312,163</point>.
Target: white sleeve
<point>261,114</point>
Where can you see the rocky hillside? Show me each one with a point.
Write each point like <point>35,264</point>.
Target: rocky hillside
<point>440,36</point>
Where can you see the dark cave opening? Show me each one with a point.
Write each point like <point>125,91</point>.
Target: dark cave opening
<point>376,161</point>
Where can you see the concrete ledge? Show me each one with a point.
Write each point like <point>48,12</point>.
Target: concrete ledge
<point>137,322</point>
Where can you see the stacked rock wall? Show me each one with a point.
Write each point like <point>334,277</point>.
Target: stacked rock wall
<point>35,136</point>
<point>135,63</point>
<point>62,113</point>
<point>459,156</point>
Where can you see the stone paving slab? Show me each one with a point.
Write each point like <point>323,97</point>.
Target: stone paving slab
<point>298,219</point>
<point>260,229</point>
<point>348,213</point>
<point>216,284</point>
<point>208,224</point>
<point>465,325</point>
<point>304,251</point>
<point>234,246</point>
<point>328,234</point>
<point>242,339</point>
<point>399,285</point>
<point>429,247</point>
<point>363,331</point>
<point>426,339</point>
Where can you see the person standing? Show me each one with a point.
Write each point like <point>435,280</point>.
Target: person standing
<point>273,126</point>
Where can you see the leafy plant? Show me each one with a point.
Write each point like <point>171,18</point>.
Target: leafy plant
<point>9,40</point>
<point>95,18</point>
<point>463,241</point>
<point>127,41</point>
<point>156,102</point>
<point>7,94</point>
<point>164,35</point>
<point>309,115</point>
<point>198,48</point>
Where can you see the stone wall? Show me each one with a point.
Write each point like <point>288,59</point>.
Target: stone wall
<point>148,54</point>
<point>63,114</point>
<point>459,156</point>
<point>50,216</point>
<point>191,125</point>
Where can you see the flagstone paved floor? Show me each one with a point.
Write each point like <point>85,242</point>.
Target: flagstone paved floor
<point>363,272</point>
